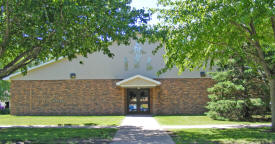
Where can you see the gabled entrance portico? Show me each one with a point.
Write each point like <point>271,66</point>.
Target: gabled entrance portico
<point>138,93</point>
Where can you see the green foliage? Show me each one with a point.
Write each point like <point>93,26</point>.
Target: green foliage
<point>237,93</point>
<point>34,30</point>
<point>257,102</point>
<point>197,33</point>
<point>4,90</point>
<point>5,111</point>
<point>226,110</point>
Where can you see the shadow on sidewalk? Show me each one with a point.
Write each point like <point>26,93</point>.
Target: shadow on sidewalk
<point>137,135</point>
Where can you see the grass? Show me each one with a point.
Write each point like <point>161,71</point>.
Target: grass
<point>55,135</point>
<point>243,135</point>
<point>60,120</point>
<point>196,120</point>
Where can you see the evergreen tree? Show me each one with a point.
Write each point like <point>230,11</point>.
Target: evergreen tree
<point>239,92</point>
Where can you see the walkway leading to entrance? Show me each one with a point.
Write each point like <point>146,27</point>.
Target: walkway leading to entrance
<point>141,129</point>
<point>216,126</point>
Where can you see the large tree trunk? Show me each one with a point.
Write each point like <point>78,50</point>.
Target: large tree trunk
<point>272,95</point>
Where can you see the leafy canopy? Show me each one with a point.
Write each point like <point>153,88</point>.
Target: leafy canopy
<point>196,33</point>
<point>39,30</point>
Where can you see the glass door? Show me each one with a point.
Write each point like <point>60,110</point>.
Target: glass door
<point>143,101</point>
<point>132,101</point>
<point>138,101</point>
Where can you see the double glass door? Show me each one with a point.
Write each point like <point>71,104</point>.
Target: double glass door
<point>138,101</point>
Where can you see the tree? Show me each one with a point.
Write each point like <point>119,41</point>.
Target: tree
<point>197,33</point>
<point>41,30</point>
<point>239,92</point>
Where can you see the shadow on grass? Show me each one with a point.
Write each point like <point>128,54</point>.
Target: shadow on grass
<point>243,135</point>
<point>181,115</point>
<point>52,135</point>
<point>261,118</point>
<point>90,124</point>
<point>255,118</point>
<point>85,124</point>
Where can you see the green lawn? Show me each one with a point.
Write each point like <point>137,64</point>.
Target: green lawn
<point>60,120</point>
<point>196,120</point>
<point>55,135</point>
<point>243,135</point>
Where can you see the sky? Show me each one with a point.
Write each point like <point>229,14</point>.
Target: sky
<point>139,4</point>
<point>146,4</point>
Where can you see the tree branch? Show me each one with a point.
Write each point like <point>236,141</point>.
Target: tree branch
<point>242,26</point>
<point>20,61</point>
<point>272,18</point>
<point>18,58</point>
<point>217,43</point>
<point>253,39</point>
<point>259,50</point>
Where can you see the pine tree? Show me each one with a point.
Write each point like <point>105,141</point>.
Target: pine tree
<point>239,92</point>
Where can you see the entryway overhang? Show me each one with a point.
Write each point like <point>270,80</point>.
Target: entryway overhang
<point>138,81</point>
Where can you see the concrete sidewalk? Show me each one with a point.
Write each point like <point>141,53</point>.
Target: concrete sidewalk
<point>146,122</point>
<point>215,126</point>
<point>54,126</point>
<point>141,130</point>
<point>144,126</point>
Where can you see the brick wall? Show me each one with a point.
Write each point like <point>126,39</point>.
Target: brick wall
<point>181,96</point>
<point>103,97</point>
<point>66,97</point>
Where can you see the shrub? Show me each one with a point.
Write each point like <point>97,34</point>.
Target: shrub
<point>5,111</point>
<point>259,106</point>
<point>239,93</point>
<point>4,90</point>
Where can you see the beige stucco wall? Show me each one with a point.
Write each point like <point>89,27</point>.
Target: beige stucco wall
<point>99,66</point>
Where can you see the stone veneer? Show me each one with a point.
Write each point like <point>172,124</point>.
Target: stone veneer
<point>103,97</point>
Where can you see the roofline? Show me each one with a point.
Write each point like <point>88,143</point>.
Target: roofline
<point>138,76</point>
<point>138,86</point>
<point>33,68</point>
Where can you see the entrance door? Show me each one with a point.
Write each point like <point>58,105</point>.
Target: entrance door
<point>138,101</point>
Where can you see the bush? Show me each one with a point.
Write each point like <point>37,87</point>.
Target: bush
<point>4,90</point>
<point>239,93</point>
<point>226,109</point>
<point>5,111</point>
<point>259,106</point>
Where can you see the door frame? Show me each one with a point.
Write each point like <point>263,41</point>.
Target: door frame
<point>138,101</point>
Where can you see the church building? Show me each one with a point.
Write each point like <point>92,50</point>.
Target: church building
<point>99,85</point>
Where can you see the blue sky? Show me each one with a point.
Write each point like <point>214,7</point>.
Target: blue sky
<point>139,4</point>
<point>145,4</point>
